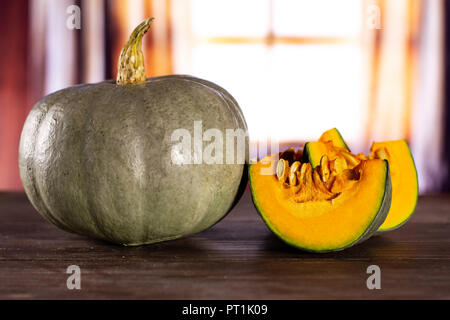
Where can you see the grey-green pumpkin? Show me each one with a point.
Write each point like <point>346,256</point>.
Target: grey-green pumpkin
<point>96,159</point>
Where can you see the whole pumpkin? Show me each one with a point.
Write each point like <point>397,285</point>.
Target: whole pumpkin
<point>97,159</point>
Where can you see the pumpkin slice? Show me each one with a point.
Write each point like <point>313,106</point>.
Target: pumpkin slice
<point>321,209</point>
<point>405,186</point>
<point>401,165</point>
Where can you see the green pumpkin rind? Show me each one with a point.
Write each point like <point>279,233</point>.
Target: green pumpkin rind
<point>96,160</point>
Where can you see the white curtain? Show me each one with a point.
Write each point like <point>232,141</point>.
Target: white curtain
<point>407,81</point>
<point>428,109</point>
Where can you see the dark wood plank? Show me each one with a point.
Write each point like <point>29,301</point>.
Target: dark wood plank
<point>236,259</point>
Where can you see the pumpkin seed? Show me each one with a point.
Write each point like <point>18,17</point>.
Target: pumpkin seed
<point>324,169</point>
<point>302,173</point>
<point>338,165</point>
<point>293,173</point>
<point>282,170</point>
<point>351,160</point>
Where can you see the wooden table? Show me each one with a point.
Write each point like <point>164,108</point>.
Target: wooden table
<point>236,259</point>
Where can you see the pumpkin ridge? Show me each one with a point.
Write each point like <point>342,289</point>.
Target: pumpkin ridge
<point>43,196</point>
<point>30,165</point>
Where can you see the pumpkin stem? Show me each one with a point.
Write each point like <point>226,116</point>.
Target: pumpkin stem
<point>131,67</point>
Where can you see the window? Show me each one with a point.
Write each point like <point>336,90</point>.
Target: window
<point>294,66</point>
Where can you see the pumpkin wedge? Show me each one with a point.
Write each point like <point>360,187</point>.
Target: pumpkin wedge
<point>401,165</point>
<point>322,209</point>
<point>405,186</point>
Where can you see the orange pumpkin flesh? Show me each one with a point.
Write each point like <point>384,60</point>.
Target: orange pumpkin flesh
<point>310,216</point>
<point>401,165</point>
<point>335,137</point>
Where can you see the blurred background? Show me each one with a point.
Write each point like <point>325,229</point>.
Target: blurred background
<point>375,69</point>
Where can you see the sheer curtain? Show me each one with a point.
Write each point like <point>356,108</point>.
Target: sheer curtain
<point>428,109</point>
<point>386,84</point>
<point>375,84</point>
<point>406,81</point>
<point>62,57</point>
